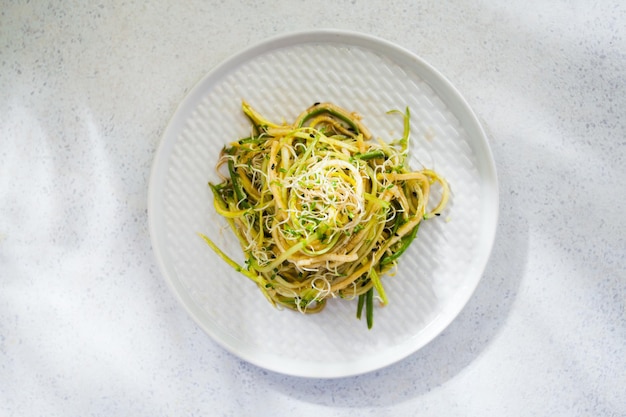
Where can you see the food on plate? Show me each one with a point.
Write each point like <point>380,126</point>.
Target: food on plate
<point>320,208</point>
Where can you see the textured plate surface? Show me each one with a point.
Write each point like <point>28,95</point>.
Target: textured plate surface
<point>280,78</point>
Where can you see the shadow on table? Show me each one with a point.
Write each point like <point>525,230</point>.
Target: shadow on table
<point>457,347</point>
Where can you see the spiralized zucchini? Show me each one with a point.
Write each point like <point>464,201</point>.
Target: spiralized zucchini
<point>320,209</point>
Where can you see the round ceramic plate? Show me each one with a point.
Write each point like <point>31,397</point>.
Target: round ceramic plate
<point>280,78</point>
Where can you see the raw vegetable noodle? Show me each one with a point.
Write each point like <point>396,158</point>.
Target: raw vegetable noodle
<point>320,209</point>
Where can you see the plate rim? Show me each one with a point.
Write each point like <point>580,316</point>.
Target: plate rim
<point>455,102</point>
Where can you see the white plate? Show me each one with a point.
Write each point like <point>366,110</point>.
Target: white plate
<point>280,78</point>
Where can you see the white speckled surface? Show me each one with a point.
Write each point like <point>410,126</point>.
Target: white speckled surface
<point>88,325</point>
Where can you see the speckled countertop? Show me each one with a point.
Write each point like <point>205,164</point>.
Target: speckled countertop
<point>87,323</point>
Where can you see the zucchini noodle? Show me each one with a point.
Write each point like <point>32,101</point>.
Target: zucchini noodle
<point>321,211</point>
